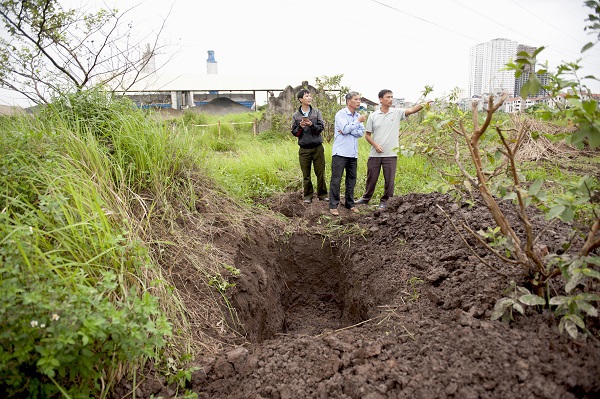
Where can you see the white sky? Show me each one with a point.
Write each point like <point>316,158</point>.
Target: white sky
<point>395,44</point>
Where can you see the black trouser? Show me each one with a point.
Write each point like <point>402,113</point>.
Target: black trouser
<point>374,166</point>
<point>338,165</point>
<point>308,157</point>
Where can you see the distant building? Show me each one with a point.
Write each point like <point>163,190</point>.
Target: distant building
<point>528,70</point>
<point>399,102</point>
<point>182,91</point>
<point>486,63</point>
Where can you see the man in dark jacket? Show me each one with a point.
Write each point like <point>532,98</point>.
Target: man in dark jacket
<point>307,125</point>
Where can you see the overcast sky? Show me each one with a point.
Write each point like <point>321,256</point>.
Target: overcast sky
<point>394,44</point>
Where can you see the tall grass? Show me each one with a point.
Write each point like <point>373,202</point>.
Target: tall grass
<point>75,272</point>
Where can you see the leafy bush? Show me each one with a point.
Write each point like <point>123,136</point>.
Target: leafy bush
<point>58,338</point>
<point>492,168</point>
<point>74,314</point>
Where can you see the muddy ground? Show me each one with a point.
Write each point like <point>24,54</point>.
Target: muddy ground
<point>393,305</point>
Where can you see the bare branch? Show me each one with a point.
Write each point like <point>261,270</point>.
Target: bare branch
<point>495,269</point>
<point>478,132</point>
<point>76,49</point>
<point>592,242</point>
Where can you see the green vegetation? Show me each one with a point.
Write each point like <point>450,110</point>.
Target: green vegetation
<point>76,311</point>
<point>84,182</point>
<point>489,153</point>
<point>252,167</point>
<point>84,298</point>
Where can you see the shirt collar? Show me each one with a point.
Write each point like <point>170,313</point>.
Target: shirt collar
<point>305,113</point>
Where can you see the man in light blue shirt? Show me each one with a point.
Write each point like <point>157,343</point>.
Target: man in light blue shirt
<point>349,128</point>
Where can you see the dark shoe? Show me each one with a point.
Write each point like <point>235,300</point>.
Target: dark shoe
<point>361,202</point>
<point>308,200</point>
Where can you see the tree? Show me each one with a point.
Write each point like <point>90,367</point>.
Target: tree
<point>328,101</point>
<point>491,167</point>
<point>48,50</point>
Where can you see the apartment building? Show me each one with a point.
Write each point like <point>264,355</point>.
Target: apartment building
<point>486,63</point>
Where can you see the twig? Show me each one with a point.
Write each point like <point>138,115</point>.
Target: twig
<point>468,246</point>
<point>409,334</point>
<point>544,229</point>
<point>489,248</point>
<point>347,328</point>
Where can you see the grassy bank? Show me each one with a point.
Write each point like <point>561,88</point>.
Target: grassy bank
<point>82,298</point>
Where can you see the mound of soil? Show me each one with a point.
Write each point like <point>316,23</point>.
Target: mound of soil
<point>395,306</point>
<point>221,106</point>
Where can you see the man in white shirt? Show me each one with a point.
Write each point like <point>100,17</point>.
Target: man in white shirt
<point>382,130</point>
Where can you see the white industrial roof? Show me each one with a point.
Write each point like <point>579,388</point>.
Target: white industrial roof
<point>215,82</point>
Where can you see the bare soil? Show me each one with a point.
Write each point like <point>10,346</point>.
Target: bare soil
<point>393,305</point>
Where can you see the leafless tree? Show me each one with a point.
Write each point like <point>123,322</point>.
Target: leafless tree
<point>47,50</point>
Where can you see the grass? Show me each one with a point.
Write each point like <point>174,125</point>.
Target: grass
<point>253,167</point>
<point>71,179</point>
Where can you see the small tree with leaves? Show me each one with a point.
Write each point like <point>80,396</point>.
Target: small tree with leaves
<point>491,167</point>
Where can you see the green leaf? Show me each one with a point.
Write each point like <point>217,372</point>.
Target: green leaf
<point>559,300</point>
<point>571,328</point>
<point>555,211</point>
<point>532,300</point>
<point>586,296</point>
<point>531,87</point>
<point>587,308</point>
<point>591,273</point>
<point>498,156</point>
<point>572,283</point>
<point>577,320</point>
<point>567,215</point>
<point>590,106</point>
<point>587,47</point>
<point>500,307</point>
<point>537,51</point>
<point>593,260</point>
<point>519,308</point>
<point>535,186</point>
<point>523,55</point>
<point>577,139</point>
<point>523,290</point>
<point>594,138</point>
<point>542,196</point>
<point>561,325</point>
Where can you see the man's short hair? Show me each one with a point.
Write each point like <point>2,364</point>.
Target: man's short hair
<point>384,92</point>
<point>351,95</point>
<point>301,93</point>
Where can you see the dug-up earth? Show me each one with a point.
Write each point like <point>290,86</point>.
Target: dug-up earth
<point>389,304</point>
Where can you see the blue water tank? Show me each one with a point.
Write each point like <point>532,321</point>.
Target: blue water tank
<point>211,56</point>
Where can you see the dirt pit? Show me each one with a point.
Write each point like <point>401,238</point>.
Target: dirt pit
<point>397,306</point>
<point>298,289</point>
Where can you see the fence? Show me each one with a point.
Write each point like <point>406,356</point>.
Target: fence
<point>254,126</point>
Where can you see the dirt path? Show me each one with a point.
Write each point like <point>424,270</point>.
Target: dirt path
<point>397,307</point>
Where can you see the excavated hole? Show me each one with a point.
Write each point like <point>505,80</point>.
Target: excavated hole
<point>300,287</point>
